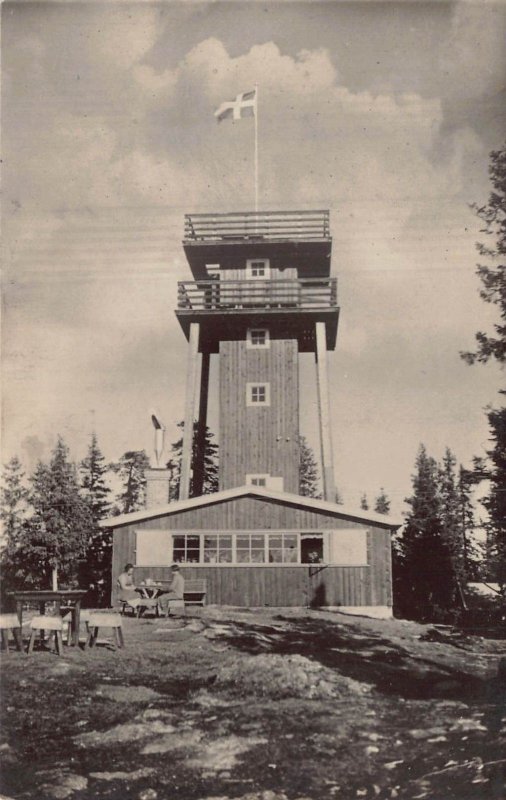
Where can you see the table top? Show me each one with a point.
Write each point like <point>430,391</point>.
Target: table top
<point>152,585</point>
<point>48,594</point>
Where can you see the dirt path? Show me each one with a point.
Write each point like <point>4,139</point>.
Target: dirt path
<point>258,705</point>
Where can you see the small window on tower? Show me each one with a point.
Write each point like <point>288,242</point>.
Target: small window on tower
<point>257,480</point>
<point>257,338</point>
<point>257,268</point>
<point>258,394</point>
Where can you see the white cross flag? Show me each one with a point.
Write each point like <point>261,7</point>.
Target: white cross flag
<point>244,105</point>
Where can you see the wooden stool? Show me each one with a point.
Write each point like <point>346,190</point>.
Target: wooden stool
<point>97,621</point>
<point>145,603</point>
<point>67,621</point>
<point>10,622</point>
<point>125,606</point>
<point>177,605</point>
<point>45,623</point>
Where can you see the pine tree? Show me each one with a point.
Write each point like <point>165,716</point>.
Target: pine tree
<point>382,504</point>
<point>424,574</point>
<point>309,479</point>
<point>364,505</point>
<point>210,482</point>
<point>14,511</point>
<point>96,570</point>
<point>57,535</point>
<point>131,469</point>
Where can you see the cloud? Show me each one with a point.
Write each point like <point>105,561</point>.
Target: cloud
<point>109,149</point>
<point>473,59</point>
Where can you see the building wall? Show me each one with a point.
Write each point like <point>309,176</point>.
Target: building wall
<point>260,439</point>
<point>270,584</point>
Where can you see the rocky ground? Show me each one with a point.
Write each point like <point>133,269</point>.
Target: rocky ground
<point>259,705</point>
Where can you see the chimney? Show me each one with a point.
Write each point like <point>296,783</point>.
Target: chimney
<point>157,487</point>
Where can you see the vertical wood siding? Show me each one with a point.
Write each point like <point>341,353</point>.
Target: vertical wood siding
<point>274,586</point>
<point>296,585</point>
<point>253,513</point>
<point>260,439</point>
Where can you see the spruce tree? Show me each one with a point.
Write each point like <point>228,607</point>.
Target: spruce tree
<point>424,574</point>
<point>472,552</point>
<point>93,470</point>
<point>364,505</point>
<point>57,535</point>
<point>131,469</point>
<point>492,346</point>
<point>210,482</point>
<point>96,569</point>
<point>382,503</point>
<point>14,511</point>
<point>309,479</point>
<point>495,501</point>
<point>451,519</point>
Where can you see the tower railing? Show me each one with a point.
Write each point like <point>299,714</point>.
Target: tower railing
<point>268,225</point>
<point>217,295</point>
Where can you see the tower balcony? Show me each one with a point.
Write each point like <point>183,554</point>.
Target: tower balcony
<point>263,225</point>
<point>301,238</point>
<point>217,295</point>
<point>226,308</point>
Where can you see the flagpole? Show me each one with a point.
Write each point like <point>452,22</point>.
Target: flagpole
<point>256,148</point>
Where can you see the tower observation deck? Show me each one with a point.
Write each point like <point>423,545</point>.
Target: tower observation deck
<point>297,292</point>
<point>261,294</point>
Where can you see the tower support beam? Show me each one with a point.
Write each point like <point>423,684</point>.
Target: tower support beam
<point>189,415</point>
<point>322,383</point>
<point>199,467</point>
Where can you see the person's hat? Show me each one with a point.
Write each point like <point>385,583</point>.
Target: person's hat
<point>175,567</point>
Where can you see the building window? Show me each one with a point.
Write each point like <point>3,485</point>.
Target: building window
<point>250,548</point>
<point>283,548</point>
<point>257,480</point>
<point>258,394</point>
<point>218,548</point>
<point>257,268</point>
<point>311,548</point>
<point>186,549</point>
<point>257,338</point>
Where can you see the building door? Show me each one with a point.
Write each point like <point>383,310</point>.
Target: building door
<point>311,553</point>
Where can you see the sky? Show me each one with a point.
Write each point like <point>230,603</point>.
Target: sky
<point>384,113</point>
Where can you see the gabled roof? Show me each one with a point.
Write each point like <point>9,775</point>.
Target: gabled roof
<point>343,512</point>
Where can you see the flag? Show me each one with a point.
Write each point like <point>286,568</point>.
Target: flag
<point>244,105</point>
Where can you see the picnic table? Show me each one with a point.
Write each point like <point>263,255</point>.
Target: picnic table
<point>153,589</point>
<point>65,597</point>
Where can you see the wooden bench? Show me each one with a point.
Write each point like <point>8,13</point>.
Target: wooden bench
<point>195,592</point>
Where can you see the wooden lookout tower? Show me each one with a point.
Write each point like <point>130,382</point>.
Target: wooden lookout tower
<point>261,294</point>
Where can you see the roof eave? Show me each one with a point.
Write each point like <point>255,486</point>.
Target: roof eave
<point>356,515</point>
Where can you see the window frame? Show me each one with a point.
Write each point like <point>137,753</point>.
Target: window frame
<point>250,386</point>
<point>255,476</point>
<point>267,547</point>
<point>186,535</point>
<point>250,267</point>
<point>251,345</point>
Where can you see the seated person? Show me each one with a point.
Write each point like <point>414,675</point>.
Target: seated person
<point>174,592</point>
<point>127,591</point>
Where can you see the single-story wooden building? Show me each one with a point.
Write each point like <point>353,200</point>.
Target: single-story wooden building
<point>259,547</point>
